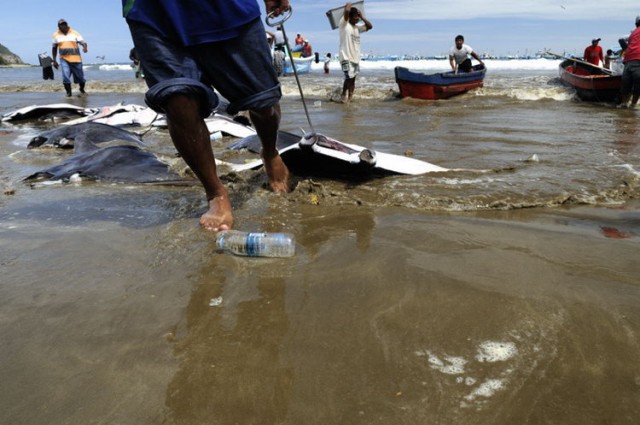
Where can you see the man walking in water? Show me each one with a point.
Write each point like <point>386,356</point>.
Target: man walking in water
<point>185,48</point>
<point>350,48</point>
<point>66,41</point>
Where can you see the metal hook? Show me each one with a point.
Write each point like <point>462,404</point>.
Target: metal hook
<point>285,16</point>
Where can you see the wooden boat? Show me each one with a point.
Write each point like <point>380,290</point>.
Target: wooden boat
<point>441,85</point>
<point>303,65</point>
<point>591,82</point>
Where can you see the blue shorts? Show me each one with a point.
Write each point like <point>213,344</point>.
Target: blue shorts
<point>631,78</point>
<point>240,69</point>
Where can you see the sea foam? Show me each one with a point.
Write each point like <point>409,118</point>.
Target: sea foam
<point>492,351</point>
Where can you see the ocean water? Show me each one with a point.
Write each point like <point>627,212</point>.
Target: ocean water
<point>543,147</point>
<point>505,291</point>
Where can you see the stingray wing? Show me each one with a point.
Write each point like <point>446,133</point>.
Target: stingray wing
<point>36,111</point>
<point>126,164</point>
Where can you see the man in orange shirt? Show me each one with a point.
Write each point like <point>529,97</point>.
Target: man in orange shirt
<point>593,54</point>
<point>66,41</point>
<point>307,50</point>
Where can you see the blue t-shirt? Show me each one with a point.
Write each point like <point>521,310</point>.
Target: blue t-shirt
<point>193,21</point>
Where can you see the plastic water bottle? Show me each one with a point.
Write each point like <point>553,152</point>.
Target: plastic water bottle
<point>256,244</point>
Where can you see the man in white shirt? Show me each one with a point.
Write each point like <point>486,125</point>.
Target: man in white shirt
<point>459,56</point>
<point>350,48</point>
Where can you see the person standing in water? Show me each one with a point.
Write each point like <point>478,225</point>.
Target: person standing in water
<point>185,49</point>
<point>66,41</point>
<point>327,61</point>
<point>593,53</point>
<point>350,48</point>
<point>459,56</point>
<point>631,73</point>
<point>133,56</point>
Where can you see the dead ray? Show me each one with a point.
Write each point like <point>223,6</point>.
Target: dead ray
<point>318,155</point>
<point>37,111</point>
<point>122,164</point>
<point>96,133</point>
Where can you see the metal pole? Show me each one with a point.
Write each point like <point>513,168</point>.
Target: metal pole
<point>293,65</point>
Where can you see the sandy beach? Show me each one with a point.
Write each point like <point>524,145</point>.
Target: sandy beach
<point>521,305</point>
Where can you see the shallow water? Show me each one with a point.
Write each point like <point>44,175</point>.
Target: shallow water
<point>509,297</point>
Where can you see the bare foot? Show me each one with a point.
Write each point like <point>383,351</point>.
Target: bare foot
<point>277,173</point>
<point>219,216</point>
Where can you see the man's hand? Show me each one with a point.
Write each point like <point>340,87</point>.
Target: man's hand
<point>276,7</point>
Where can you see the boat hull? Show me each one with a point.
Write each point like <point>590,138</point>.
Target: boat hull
<point>440,85</point>
<point>590,84</point>
<point>303,65</point>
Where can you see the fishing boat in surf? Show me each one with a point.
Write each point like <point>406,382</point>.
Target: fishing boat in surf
<point>442,85</point>
<point>303,65</point>
<point>590,82</point>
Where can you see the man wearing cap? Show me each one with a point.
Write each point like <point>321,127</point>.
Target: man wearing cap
<point>307,50</point>
<point>66,41</point>
<point>631,74</point>
<point>593,54</point>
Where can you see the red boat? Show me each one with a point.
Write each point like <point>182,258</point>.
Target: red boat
<point>441,85</point>
<point>591,82</point>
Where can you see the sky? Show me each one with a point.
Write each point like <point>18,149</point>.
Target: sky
<point>412,27</point>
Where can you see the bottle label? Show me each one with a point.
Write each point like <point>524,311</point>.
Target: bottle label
<point>254,244</point>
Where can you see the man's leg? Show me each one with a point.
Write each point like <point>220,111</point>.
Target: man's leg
<point>66,76</point>
<point>348,87</point>
<point>345,89</point>
<point>191,138</point>
<point>626,86</point>
<point>78,75</point>
<point>623,100</point>
<point>352,87</point>
<point>266,121</point>
<point>636,86</point>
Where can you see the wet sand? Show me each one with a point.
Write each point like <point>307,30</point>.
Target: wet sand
<point>114,307</point>
<point>385,315</point>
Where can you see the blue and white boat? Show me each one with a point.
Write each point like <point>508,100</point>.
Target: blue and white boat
<point>303,65</point>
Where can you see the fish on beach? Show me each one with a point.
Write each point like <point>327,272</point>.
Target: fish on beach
<point>40,111</point>
<point>316,154</point>
<point>121,164</point>
<point>65,136</point>
<point>121,115</point>
<point>122,160</point>
<point>228,125</point>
